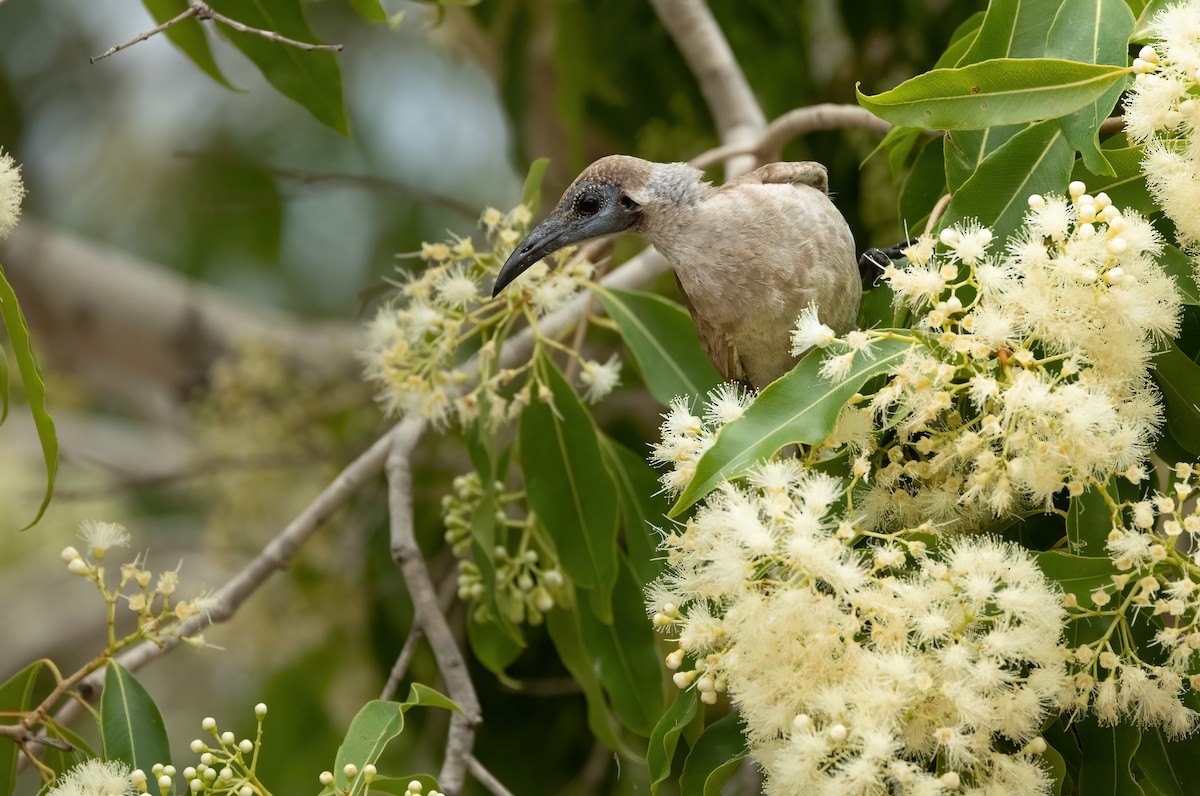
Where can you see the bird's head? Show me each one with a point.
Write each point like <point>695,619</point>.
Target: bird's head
<point>608,197</point>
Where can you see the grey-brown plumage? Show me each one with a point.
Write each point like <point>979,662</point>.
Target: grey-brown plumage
<point>749,255</point>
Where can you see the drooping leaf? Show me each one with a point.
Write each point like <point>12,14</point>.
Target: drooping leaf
<point>35,386</point>
<point>625,654</point>
<point>131,725</point>
<point>665,736</point>
<point>1078,575</point>
<point>189,36</point>
<point>1096,32</point>
<point>922,187</point>
<point>1012,29</point>
<point>1126,186</point>
<point>1182,269</point>
<point>1171,767</point>
<point>1179,379</point>
<point>1089,523</point>
<point>965,150</point>
<point>643,507</point>
<point>960,41</point>
<point>1056,766</point>
<point>662,338</point>
<point>18,695</point>
<point>714,757</point>
<point>1035,160</point>
<point>800,407</point>
<point>1107,758</point>
<point>565,631</point>
<point>569,488</point>
<point>996,92</point>
<point>310,77</point>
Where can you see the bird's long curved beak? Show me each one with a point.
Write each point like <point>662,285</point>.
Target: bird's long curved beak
<point>542,241</point>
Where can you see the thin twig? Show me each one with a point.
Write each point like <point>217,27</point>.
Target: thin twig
<point>190,12</point>
<point>596,252</point>
<point>699,38</point>
<point>207,12</point>
<point>936,212</point>
<point>400,667</point>
<point>21,734</point>
<point>486,778</point>
<point>427,612</point>
<point>793,124</point>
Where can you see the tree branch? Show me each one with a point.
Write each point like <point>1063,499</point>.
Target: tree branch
<point>426,611</point>
<point>737,113</point>
<point>486,778</point>
<point>190,12</point>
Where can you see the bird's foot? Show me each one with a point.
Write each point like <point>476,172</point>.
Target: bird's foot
<point>873,261</point>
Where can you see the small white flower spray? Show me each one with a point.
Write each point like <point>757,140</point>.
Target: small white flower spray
<point>12,191</point>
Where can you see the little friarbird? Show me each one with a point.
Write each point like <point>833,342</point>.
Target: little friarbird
<point>749,255</point>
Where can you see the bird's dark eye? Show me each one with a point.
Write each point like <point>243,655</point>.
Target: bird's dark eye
<point>627,203</point>
<point>588,204</point>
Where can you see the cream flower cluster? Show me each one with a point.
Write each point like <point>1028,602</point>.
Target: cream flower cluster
<point>1029,372</point>
<point>12,191</point>
<point>855,668</point>
<point>442,314</point>
<point>1155,547</point>
<point>684,437</point>
<point>1163,111</point>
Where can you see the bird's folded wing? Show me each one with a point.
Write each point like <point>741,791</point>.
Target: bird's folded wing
<point>803,172</point>
<point>717,344</point>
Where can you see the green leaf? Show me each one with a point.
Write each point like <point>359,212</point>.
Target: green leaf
<point>569,488</point>
<point>1107,757</point>
<point>1142,32</point>
<point>625,654</point>
<point>131,727</point>
<point>531,194</point>
<point>642,507</point>
<point>565,631</point>
<point>960,41</point>
<point>35,386</point>
<point>1097,32</point>
<point>714,758</point>
<point>399,785</point>
<point>3,385</point>
<point>923,186</point>
<point>665,736</point>
<point>310,77</point>
<point>1179,379</point>
<point>995,92</point>
<point>1089,522</point>
<point>188,36</point>
<point>965,150</point>
<point>1056,766</point>
<point>1012,29</point>
<point>1182,269</point>
<point>375,725</point>
<point>1078,575</point>
<point>799,407</point>
<point>662,338</point>
<point>18,695</point>
<point>1126,186</point>
<point>1035,160</point>
<point>1172,767</point>
<point>370,10</point>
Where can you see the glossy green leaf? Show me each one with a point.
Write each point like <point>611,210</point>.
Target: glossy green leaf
<point>1078,575</point>
<point>1171,767</point>
<point>625,654</point>
<point>188,35</point>
<point>131,726</point>
<point>643,507</point>
<point>665,736</point>
<point>713,758</point>
<point>399,785</point>
<point>1141,33</point>
<point>1035,160</point>
<point>1056,766</point>
<point>1096,32</point>
<point>569,488</point>
<point>563,626</point>
<point>1089,523</point>
<point>898,143</point>
<point>662,338</point>
<point>374,726</point>
<point>311,78</point>
<point>996,92</point>
<point>960,41</point>
<point>1107,759</point>
<point>531,194</point>
<point>17,695</point>
<point>799,407</point>
<point>1182,269</point>
<point>1179,379</point>
<point>923,186</point>
<point>1126,186</point>
<point>1013,29</point>
<point>965,150</point>
<point>35,386</point>
<point>369,9</point>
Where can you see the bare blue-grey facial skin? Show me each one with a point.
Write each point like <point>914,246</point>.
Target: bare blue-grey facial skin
<point>589,209</point>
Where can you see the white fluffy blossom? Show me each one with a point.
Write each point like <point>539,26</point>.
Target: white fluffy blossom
<point>599,379</point>
<point>12,191</point>
<point>95,778</point>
